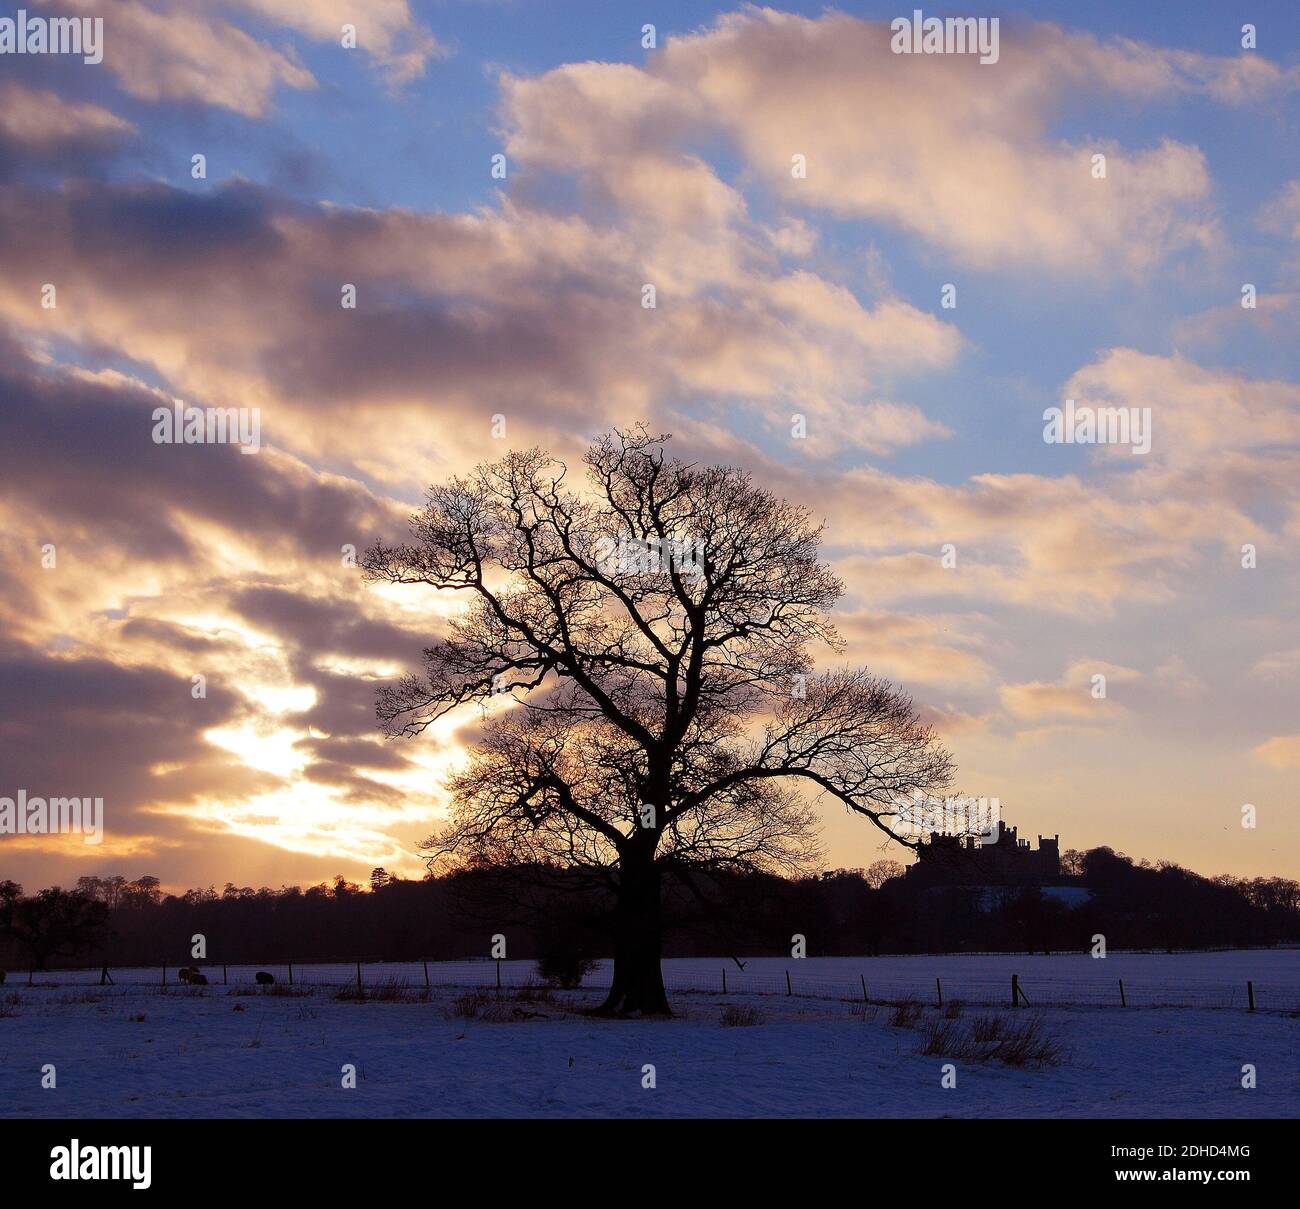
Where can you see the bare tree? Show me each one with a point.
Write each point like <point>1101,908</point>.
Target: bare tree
<point>880,872</point>
<point>642,646</point>
<point>51,923</point>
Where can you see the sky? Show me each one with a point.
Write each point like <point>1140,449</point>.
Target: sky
<point>804,201</point>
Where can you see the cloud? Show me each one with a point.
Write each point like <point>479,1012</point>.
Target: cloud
<point>181,52</point>
<point>180,568</point>
<point>188,51</point>
<point>1195,411</point>
<point>113,725</point>
<point>1282,214</point>
<point>958,154</point>
<point>37,119</point>
<point>1223,467</point>
<point>942,651</point>
<point>386,30</point>
<point>175,561</point>
<point>1072,696</point>
<point>520,312</point>
<point>1279,665</point>
<point>1273,318</point>
<point>1281,752</point>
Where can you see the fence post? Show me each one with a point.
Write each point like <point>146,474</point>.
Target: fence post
<point>788,989</point>
<point>498,973</point>
<point>1015,990</point>
<point>291,973</point>
<point>724,980</point>
<point>164,981</point>
<point>358,975</point>
<point>30,972</point>
<point>426,974</point>
<point>1250,993</point>
<point>939,991</point>
<point>863,979</point>
<point>104,979</point>
<point>1123,1002</point>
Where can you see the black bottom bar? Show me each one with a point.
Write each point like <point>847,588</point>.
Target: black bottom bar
<point>235,1158</point>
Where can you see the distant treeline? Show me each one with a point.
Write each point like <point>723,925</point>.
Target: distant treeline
<point>538,910</point>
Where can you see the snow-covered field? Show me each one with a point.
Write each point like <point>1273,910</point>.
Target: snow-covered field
<point>137,1050</point>
<point>1210,979</point>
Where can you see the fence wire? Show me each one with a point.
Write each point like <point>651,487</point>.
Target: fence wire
<point>965,986</point>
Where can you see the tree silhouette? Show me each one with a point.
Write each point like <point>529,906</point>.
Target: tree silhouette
<point>642,646</point>
<point>51,923</point>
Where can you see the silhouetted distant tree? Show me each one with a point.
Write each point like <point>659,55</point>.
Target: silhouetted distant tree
<point>727,911</point>
<point>879,872</point>
<point>51,923</point>
<point>1072,863</point>
<point>654,629</point>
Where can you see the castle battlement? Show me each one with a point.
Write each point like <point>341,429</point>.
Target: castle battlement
<point>1003,859</point>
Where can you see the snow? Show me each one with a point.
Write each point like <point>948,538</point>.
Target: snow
<point>195,1054</point>
<point>1208,979</point>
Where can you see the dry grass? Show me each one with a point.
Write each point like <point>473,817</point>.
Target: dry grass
<point>480,1005</point>
<point>739,1016</point>
<point>905,1014</point>
<point>1020,1042</point>
<point>533,992</point>
<point>278,989</point>
<point>391,990</point>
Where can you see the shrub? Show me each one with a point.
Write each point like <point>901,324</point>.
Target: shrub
<point>479,1005</point>
<point>1025,1044</point>
<point>563,963</point>
<point>736,1016</point>
<point>532,992</point>
<point>991,1039</point>
<point>944,1038</point>
<point>391,990</point>
<point>905,1013</point>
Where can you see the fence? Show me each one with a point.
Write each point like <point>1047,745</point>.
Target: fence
<point>759,977</point>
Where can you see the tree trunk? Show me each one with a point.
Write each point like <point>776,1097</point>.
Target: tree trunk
<point>638,984</point>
